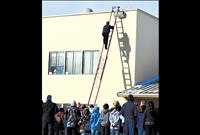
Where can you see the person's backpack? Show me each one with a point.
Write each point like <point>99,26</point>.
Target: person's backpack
<point>73,117</point>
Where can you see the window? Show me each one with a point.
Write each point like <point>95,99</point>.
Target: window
<point>73,62</point>
<point>90,60</point>
<point>56,62</point>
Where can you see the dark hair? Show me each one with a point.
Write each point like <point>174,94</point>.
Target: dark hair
<point>86,111</point>
<point>105,106</point>
<point>107,22</point>
<point>150,105</point>
<point>118,108</point>
<point>130,98</point>
<point>143,107</point>
<point>83,106</point>
<point>91,106</point>
<point>61,109</point>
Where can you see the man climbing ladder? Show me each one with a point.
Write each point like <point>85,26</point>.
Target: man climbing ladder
<point>105,33</point>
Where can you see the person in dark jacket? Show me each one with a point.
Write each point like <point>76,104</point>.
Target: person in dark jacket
<point>104,120</point>
<point>150,119</point>
<point>129,112</point>
<point>59,123</point>
<point>105,33</point>
<point>48,119</point>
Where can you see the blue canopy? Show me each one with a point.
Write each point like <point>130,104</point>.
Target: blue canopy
<point>149,81</point>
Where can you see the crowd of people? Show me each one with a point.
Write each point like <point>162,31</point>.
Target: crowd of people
<point>128,119</point>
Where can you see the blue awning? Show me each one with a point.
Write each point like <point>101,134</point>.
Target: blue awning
<point>151,80</point>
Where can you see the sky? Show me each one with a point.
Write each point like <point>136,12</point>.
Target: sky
<point>50,8</point>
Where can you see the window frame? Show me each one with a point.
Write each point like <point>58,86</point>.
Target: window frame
<point>92,70</point>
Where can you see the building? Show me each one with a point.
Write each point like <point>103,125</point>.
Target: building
<point>71,45</point>
<point>147,90</point>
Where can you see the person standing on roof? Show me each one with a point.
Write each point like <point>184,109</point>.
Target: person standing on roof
<point>105,33</point>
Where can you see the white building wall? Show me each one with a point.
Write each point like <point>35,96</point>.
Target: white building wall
<point>146,46</point>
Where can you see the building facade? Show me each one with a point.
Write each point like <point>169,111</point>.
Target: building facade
<point>71,45</point>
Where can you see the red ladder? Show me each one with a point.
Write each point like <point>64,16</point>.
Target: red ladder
<point>102,61</point>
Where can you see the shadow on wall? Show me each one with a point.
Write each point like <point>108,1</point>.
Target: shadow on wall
<point>126,48</point>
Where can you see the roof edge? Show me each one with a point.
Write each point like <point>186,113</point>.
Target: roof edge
<point>139,95</point>
<point>98,12</point>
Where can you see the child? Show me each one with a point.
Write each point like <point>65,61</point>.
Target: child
<point>140,115</point>
<point>115,119</point>
<point>85,122</point>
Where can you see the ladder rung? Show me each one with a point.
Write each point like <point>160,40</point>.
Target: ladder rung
<point>99,73</point>
<point>100,68</point>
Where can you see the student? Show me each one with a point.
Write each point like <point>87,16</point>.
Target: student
<point>85,122</point>
<point>104,120</point>
<point>115,119</point>
<point>94,121</point>
<point>74,116</point>
<point>140,115</point>
<point>59,123</point>
<point>150,119</point>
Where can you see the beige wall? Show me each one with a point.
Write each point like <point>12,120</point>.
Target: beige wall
<point>83,32</point>
<point>146,47</point>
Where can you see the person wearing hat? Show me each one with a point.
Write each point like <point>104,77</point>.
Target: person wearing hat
<point>49,110</point>
<point>73,118</point>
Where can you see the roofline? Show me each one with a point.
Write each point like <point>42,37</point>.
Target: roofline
<point>147,13</point>
<point>99,12</point>
<point>139,95</point>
